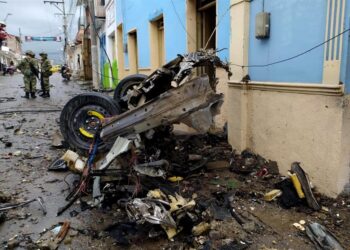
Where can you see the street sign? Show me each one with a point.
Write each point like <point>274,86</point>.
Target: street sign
<point>43,38</point>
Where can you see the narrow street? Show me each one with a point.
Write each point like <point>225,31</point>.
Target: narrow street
<point>175,125</point>
<point>25,176</point>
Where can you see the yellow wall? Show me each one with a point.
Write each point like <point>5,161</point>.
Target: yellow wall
<point>290,123</point>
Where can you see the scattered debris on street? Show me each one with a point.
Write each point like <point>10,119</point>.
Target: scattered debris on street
<point>153,186</point>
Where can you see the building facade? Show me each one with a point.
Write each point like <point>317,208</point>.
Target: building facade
<point>110,65</point>
<point>292,102</point>
<point>149,35</point>
<point>11,50</point>
<point>288,98</point>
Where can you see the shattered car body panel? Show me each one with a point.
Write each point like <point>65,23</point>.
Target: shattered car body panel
<point>170,107</point>
<point>171,94</point>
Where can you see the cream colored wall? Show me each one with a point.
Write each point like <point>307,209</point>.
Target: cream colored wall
<point>191,25</point>
<point>236,117</point>
<point>120,54</point>
<point>344,174</point>
<point>153,45</point>
<point>222,87</point>
<point>309,128</point>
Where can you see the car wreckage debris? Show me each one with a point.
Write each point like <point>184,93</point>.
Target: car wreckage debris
<point>188,103</point>
<point>321,237</point>
<point>8,206</point>
<point>155,177</point>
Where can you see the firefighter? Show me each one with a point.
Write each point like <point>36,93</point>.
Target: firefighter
<point>45,74</point>
<point>29,68</point>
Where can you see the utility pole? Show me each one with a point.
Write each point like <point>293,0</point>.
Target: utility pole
<point>94,54</point>
<point>64,14</point>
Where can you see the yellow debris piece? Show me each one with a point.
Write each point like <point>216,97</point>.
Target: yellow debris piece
<point>273,194</point>
<point>297,185</point>
<point>201,228</point>
<point>178,202</point>
<point>175,178</point>
<point>156,194</point>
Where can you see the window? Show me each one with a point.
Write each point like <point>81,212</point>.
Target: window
<point>207,19</point>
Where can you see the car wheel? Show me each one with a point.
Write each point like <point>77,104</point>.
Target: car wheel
<point>81,117</point>
<point>124,86</point>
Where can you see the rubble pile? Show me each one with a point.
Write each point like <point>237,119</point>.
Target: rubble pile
<point>129,179</point>
<point>204,196</point>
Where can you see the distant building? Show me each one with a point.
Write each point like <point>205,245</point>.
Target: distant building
<point>14,44</point>
<point>74,54</point>
<point>11,50</point>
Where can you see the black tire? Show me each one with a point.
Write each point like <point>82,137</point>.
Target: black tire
<point>75,116</point>
<point>124,85</point>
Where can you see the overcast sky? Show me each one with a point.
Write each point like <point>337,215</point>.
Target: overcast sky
<point>35,18</point>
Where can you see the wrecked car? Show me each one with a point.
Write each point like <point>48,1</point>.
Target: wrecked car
<point>135,126</point>
<point>171,94</point>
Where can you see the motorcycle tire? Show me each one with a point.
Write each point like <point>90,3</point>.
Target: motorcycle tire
<point>81,117</point>
<point>127,83</point>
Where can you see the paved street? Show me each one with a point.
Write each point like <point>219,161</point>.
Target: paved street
<point>25,176</point>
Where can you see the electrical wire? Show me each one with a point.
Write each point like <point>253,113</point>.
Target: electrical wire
<point>180,21</point>
<point>292,57</point>
<point>221,18</point>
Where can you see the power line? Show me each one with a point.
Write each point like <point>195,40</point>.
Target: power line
<point>180,21</point>
<point>292,57</point>
<point>221,18</point>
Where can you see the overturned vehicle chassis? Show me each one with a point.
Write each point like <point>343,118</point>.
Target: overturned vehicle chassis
<point>135,127</point>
